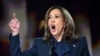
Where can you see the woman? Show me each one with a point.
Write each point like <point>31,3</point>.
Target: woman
<point>59,37</point>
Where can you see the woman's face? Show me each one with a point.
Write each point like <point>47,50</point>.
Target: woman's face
<point>55,22</point>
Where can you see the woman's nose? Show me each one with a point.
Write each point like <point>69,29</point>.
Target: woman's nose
<point>52,20</point>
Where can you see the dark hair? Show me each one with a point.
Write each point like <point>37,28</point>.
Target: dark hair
<point>69,26</point>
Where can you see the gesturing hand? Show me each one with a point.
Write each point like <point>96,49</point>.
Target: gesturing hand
<point>14,25</point>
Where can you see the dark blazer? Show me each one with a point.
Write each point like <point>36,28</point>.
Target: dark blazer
<point>40,48</point>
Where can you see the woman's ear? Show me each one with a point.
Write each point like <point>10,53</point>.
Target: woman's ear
<point>64,26</point>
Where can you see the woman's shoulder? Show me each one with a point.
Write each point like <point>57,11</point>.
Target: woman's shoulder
<point>37,39</point>
<point>80,38</point>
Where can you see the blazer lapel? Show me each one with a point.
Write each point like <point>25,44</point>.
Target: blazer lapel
<point>45,48</point>
<point>73,49</point>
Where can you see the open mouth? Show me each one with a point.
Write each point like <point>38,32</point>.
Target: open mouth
<point>53,27</point>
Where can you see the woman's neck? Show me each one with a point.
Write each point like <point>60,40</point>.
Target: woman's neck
<point>59,36</point>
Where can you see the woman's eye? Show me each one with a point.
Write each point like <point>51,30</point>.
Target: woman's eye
<point>49,17</point>
<point>57,16</point>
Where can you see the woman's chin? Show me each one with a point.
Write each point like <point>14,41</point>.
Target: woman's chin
<point>54,34</point>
